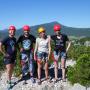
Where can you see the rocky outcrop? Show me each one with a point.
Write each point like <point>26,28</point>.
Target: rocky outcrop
<point>19,85</point>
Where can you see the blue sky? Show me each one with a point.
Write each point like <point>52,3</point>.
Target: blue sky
<point>73,13</point>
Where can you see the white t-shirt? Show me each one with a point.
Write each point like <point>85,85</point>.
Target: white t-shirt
<point>43,44</point>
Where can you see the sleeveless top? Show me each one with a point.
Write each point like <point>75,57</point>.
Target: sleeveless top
<point>43,44</point>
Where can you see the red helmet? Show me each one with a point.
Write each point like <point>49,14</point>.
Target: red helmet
<point>12,28</point>
<point>57,27</point>
<point>26,28</point>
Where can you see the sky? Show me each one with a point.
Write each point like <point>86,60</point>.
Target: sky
<point>72,13</point>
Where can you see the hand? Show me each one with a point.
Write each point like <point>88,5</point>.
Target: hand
<point>21,49</point>
<point>48,57</point>
<point>66,50</point>
<point>22,62</point>
<point>35,57</point>
<point>6,55</point>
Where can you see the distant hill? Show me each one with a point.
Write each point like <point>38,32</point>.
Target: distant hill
<point>70,31</point>
<point>64,29</point>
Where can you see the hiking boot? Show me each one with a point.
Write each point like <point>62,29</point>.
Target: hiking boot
<point>39,82</point>
<point>64,80</point>
<point>56,80</point>
<point>49,79</point>
<point>25,82</point>
<point>9,85</point>
<point>32,80</point>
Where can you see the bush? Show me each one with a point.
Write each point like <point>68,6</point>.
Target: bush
<point>76,51</point>
<point>80,73</point>
<point>1,62</point>
<point>17,69</point>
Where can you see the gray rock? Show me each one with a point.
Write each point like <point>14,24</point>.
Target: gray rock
<point>88,88</point>
<point>77,87</point>
<point>44,86</point>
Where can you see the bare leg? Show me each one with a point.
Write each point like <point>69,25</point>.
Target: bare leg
<point>9,68</point>
<point>63,61</point>
<point>56,70</point>
<point>46,70</point>
<point>39,70</point>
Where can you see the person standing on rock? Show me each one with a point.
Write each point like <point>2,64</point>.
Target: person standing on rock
<point>42,52</point>
<point>60,50</point>
<point>9,53</point>
<point>26,41</point>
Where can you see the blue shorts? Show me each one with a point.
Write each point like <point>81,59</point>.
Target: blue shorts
<point>27,60</point>
<point>58,54</point>
<point>42,56</point>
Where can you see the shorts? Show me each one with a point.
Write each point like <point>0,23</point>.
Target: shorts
<point>9,61</point>
<point>42,56</point>
<point>27,60</point>
<point>58,54</point>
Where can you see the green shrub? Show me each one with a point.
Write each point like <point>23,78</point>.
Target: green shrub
<point>1,62</point>
<point>80,73</point>
<point>17,69</point>
<point>71,75</point>
<point>76,51</point>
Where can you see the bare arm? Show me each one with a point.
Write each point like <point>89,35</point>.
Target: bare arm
<point>49,46</point>
<point>35,50</point>
<point>68,46</point>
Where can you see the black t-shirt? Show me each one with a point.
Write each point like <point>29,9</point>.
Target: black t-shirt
<point>60,44</point>
<point>10,45</point>
<point>26,42</point>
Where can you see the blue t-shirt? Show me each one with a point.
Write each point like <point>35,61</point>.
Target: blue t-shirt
<point>26,42</point>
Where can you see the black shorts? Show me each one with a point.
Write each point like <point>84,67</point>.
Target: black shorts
<point>9,61</point>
